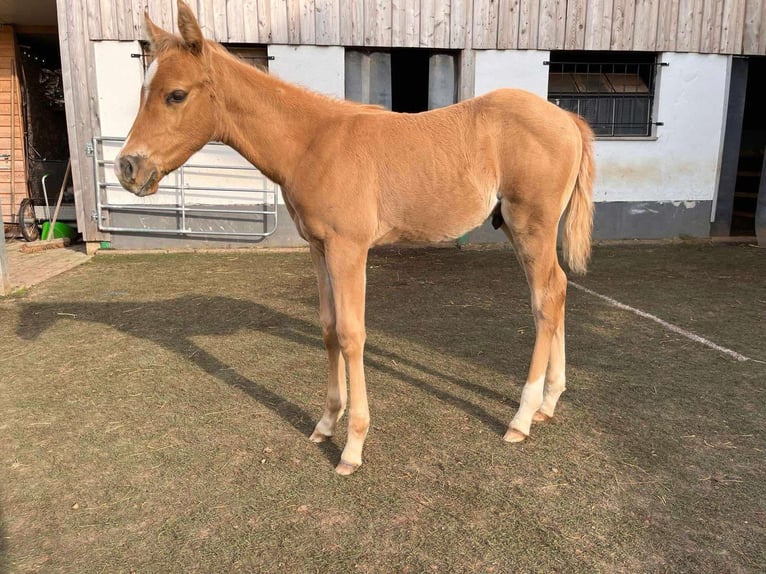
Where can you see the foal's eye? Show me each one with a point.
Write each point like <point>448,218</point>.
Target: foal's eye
<point>176,97</point>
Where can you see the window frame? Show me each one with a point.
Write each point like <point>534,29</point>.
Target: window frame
<point>628,81</point>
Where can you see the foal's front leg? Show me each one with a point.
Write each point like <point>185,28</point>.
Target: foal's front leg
<point>346,264</point>
<point>336,375</point>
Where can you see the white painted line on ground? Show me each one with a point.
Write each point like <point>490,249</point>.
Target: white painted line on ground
<point>668,326</point>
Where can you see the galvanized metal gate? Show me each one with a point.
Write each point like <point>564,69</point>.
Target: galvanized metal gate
<point>182,205</point>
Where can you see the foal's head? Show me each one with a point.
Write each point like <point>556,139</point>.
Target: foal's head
<point>177,114</point>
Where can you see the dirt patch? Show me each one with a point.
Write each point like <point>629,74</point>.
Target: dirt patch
<point>156,410</point>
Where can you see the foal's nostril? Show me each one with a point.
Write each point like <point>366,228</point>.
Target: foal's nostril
<point>128,168</point>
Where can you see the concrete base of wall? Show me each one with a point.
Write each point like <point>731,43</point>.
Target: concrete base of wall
<point>633,220</point>
<point>613,220</point>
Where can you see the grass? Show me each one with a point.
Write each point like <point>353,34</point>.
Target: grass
<point>156,410</point>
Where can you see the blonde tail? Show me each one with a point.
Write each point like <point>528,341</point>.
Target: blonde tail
<point>578,223</point>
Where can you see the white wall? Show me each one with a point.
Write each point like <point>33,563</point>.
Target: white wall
<point>521,69</point>
<point>681,163</point>
<point>319,68</point>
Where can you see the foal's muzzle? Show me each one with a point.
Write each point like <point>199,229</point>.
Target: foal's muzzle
<point>137,174</point>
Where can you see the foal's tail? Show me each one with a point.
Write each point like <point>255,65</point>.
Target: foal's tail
<point>578,223</point>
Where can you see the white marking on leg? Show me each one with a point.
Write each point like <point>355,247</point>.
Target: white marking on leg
<point>669,326</point>
<point>531,399</point>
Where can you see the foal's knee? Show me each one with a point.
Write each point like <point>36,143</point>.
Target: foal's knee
<point>351,339</point>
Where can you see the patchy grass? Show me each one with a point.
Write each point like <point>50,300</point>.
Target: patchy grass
<point>156,410</point>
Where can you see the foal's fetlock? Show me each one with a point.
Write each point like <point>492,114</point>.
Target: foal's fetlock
<point>541,417</point>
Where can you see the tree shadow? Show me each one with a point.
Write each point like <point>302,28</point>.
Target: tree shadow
<point>173,324</point>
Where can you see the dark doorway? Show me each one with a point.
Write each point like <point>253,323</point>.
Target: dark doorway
<point>751,150</point>
<point>44,116</point>
<point>409,80</point>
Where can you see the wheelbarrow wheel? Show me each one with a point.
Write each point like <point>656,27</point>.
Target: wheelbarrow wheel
<point>28,221</point>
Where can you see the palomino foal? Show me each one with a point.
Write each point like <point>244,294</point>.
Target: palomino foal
<point>355,176</point>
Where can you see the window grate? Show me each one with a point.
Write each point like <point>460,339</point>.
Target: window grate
<point>615,97</point>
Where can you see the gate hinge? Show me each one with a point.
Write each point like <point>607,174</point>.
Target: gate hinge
<point>89,149</point>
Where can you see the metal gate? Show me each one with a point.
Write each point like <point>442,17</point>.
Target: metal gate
<point>181,207</point>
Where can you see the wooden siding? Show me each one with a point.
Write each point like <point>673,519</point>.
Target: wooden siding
<point>78,76</point>
<point>706,26</point>
<point>13,173</point>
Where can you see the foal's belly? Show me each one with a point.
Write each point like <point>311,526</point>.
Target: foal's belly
<point>436,216</point>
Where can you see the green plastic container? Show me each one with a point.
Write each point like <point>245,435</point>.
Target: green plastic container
<point>59,230</point>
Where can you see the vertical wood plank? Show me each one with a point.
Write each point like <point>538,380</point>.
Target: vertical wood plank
<point>552,24</point>
<point>137,8</point>
<point>457,25</point>
<point>378,23</point>
<point>427,22</point>
<point>698,9</point>
<point>623,16</point>
<point>250,21</point>
<point>124,19</point>
<point>308,22</point>
<point>753,15</point>
<point>412,16</point>
<point>762,35</point>
<point>166,16</point>
<point>529,13</point>
<point>598,25</point>
<point>485,24</point>
<point>645,35</point>
<point>235,23</point>
<point>575,24</point>
<point>712,18</point>
<point>279,33</point>
<point>219,21</point>
<point>293,21</point>
<point>441,11</point>
<point>667,25</point>
<point>80,103</point>
<point>93,19</point>
<point>264,21</point>
<point>732,31</point>
<point>108,19</point>
<point>346,22</point>
<point>327,22</point>
<point>685,25</point>
<point>508,24</point>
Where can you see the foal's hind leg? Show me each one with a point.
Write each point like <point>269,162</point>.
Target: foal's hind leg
<point>535,246</point>
<point>336,379</point>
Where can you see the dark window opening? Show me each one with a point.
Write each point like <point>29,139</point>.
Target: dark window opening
<point>409,80</point>
<point>614,91</point>
<point>751,151</point>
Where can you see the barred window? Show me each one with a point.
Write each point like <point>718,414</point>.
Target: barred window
<point>614,91</point>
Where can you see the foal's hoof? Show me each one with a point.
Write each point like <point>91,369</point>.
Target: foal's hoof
<point>514,435</point>
<point>346,468</point>
<point>540,417</point>
<point>318,437</point>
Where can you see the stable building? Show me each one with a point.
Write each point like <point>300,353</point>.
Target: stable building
<point>671,89</point>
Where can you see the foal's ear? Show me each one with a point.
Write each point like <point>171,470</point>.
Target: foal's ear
<point>158,38</point>
<point>189,28</point>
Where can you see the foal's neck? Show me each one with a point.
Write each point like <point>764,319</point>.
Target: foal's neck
<point>270,122</point>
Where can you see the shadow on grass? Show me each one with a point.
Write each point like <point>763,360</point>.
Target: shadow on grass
<point>173,325</point>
